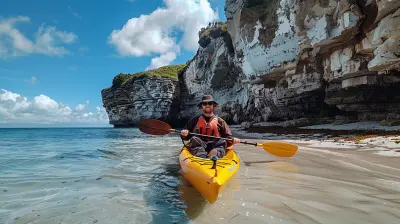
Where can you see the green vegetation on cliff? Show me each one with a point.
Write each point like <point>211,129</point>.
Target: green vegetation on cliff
<point>169,71</point>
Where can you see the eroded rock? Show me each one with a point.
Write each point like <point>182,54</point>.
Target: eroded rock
<point>291,61</point>
<point>151,97</point>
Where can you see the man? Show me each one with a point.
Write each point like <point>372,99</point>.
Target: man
<point>208,124</point>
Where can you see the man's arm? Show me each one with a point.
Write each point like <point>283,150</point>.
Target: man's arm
<point>226,133</point>
<point>189,126</point>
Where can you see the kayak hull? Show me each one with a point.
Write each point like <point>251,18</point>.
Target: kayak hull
<point>207,180</point>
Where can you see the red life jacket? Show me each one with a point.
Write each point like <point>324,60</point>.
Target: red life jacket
<point>204,128</point>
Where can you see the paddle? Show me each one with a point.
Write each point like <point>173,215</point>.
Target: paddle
<point>157,127</point>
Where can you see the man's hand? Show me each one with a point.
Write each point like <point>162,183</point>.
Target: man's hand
<point>184,132</point>
<point>236,140</point>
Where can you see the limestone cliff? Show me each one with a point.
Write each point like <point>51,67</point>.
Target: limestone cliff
<point>151,94</point>
<point>318,58</point>
<point>277,60</point>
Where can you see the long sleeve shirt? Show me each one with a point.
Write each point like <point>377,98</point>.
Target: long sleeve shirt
<point>223,127</point>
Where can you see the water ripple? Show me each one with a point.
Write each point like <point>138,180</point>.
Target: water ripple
<point>89,175</point>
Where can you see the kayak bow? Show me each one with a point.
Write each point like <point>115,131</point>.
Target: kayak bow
<point>207,177</point>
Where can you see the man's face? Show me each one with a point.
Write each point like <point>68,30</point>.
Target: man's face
<point>207,107</point>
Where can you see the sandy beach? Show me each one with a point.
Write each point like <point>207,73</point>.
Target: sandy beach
<point>327,181</point>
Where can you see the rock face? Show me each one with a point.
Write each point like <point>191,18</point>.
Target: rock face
<point>211,71</point>
<point>318,58</point>
<point>152,97</point>
<point>279,60</point>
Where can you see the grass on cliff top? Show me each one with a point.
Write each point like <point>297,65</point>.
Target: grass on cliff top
<point>170,71</point>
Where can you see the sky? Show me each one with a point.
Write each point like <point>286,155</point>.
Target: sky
<point>57,56</point>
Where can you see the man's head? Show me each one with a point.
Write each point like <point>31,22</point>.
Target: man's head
<point>207,104</point>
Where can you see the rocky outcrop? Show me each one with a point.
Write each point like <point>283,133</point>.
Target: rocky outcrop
<point>138,98</point>
<point>302,60</point>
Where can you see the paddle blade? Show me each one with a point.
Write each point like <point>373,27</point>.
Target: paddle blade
<point>154,127</point>
<point>280,148</point>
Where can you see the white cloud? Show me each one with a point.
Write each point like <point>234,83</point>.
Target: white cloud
<point>155,33</point>
<point>17,109</point>
<point>66,37</point>
<point>48,40</point>
<point>16,40</point>
<point>163,60</point>
<point>82,107</point>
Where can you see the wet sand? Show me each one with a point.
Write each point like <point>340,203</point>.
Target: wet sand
<point>325,182</point>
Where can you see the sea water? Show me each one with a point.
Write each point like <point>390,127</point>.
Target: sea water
<point>92,175</point>
<point>124,176</point>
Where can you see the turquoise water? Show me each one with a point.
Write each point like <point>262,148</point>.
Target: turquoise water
<point>93,175</point>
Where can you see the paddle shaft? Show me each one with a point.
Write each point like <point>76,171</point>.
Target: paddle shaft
<point>156,127</point>
<point>209,136</point>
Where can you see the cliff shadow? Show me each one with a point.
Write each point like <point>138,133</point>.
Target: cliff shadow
<point>171,198</point>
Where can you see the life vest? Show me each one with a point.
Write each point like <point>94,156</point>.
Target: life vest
<point>210,128</point>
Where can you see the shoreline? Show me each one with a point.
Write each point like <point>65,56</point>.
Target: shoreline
<point>328,180</point>
<point>356,130</point>
<point>359,127</point>
<point>382,142</point>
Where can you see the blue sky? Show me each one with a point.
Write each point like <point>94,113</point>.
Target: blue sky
<point>65,50</point>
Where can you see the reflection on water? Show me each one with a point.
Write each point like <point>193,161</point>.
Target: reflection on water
<point>194,201</point>
<point>172,198</point>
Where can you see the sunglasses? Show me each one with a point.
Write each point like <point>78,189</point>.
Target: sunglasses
<point>207,103</point>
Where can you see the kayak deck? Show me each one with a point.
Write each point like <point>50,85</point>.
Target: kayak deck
<point>207,180</point>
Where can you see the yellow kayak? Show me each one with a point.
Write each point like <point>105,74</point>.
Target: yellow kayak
<point>208,180</point>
